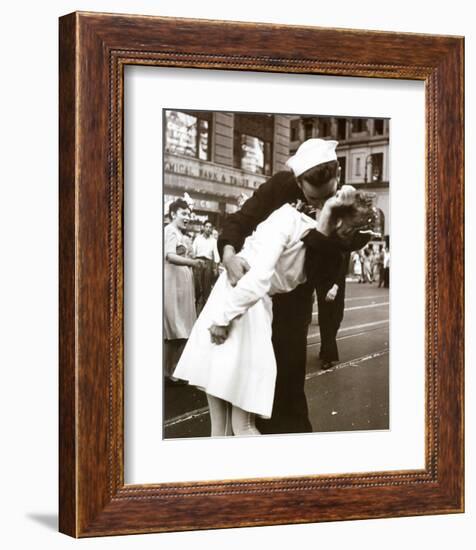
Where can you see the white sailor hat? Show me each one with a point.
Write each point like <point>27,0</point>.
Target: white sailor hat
<point>311,153</point>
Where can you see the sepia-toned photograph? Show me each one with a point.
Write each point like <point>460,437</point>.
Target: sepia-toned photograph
<point>276,263</point>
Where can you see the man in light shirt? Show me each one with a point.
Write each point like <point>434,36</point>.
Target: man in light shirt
<point>205,245</point>
<point>205,249</point>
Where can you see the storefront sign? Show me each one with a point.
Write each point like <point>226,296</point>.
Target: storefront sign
<point>209,171</point>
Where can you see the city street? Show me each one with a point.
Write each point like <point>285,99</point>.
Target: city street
<point>353,395</point>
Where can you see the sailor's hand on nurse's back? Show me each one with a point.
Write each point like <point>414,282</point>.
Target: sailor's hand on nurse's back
<point>219,334</point>
<point>235,266</point>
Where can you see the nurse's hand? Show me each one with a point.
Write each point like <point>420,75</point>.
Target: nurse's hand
<point>345,196</point>
<point>235,266</point>
<point>219,334</point>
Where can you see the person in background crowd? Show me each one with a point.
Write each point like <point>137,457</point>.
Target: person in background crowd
<point>331,304</point>
<point>330,312</point>
<point>373,262</point>
<point>386,268</point>
<point>356,265</point>
<point>367,268</point>
<point>362,272</point>
<point>179,294</point>
<point>380,264</point>
<point>205,249</point>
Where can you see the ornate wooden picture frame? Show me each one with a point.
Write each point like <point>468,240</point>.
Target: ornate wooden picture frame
<point>94,49</point>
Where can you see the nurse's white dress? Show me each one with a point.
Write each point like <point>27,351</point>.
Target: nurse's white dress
<point>242,370</point>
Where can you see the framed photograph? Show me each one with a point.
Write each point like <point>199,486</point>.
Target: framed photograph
<point>241,341</point>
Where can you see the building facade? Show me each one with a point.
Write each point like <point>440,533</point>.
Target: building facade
<point>219,159</point>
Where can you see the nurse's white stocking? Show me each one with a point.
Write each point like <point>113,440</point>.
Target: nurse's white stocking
<point>243,422</point>
<point>220,416</point>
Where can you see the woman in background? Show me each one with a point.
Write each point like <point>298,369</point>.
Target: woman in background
<point>356,265</point>
<point>179,294</point>
<point>367,267</point>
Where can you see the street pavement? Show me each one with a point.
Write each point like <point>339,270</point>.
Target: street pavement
<point>353,395</point>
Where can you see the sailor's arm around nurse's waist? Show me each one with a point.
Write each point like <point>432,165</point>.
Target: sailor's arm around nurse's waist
<point>320,242</point>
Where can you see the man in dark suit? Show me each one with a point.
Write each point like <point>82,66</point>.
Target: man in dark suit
<point>330,307</point>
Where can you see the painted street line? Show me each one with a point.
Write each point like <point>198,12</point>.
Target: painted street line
<point>353,327</point>
<point>366,307</point>
<point>346,337</point>
<point>363,297</point>
<point>352,363</point>
<point>314,313</point>
<point>185,417</point>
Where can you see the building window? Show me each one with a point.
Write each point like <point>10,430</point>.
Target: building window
<point>187,134</point>
<point>252,154</point>
<point>252,143</point>
<point>376,162</point>
<point>357,167</point>
<point>308,130</point>
<point>359,125</point>
<point>268,158</point>
<point>378,126</point>
<point>342,164</point>
<point>295,130</point>
<point>341,128</point>
<point>324,127</point>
